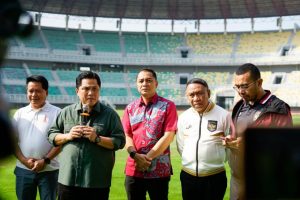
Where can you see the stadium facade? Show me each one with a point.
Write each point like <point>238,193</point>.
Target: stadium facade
<point>60,54</point>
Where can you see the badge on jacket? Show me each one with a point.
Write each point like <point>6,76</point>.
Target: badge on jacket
<point>212,125</point>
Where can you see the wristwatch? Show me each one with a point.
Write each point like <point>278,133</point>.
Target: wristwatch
<point>132,154</point>
<point>97,139</point>
<point>47,160</point>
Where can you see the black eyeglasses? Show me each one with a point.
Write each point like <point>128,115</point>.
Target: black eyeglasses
<point>243,87</point>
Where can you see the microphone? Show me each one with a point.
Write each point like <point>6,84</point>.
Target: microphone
<point>84,115</point>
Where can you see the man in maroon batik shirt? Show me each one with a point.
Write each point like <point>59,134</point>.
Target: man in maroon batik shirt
<point>150,124</point>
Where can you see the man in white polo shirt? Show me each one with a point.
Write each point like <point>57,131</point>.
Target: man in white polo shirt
<point>36,166</point>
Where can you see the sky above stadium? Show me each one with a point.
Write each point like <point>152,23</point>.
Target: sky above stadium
<point>137,25</point>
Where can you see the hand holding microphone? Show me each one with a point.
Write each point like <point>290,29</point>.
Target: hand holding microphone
<point>86,131</point>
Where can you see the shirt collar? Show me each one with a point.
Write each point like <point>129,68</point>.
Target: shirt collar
<point>44,108</point>
<point>262,100</point>
<point>209,107</point>
<point>153,100</point>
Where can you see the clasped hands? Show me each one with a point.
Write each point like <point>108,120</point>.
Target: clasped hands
<point>142,162</point>
<point>34,164</point>
<point>80,131</point>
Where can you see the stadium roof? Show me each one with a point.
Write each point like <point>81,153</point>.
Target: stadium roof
<point>167,9</point>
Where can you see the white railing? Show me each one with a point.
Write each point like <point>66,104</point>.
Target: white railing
<point>35,54</point>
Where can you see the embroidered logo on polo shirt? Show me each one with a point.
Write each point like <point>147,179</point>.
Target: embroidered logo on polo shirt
<point>212,125</point>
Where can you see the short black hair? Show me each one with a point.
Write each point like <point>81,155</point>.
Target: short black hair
<point>148,70</point>
<point>40,79</point>
<point>198,81</point>
<point>87,75</point>
<point>249,67</point>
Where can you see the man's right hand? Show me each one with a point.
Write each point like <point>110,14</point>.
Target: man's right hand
<point>75,132</point>
<point>142,162</point>
<point>28,162</point>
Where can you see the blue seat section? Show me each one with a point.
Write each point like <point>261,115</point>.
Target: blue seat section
<point>135,43</point>
<point>67,75</point>
<point>54,90</point>
<point>112,77</point>
<point>33,41</point>
<point>15,89</point>
<point>62,39</point>
<point>14,73</point>
<point>42,71</point>
<point>103,41</point>
<point>70,90</point>
<point>135,92</point>
<point>107,91</point>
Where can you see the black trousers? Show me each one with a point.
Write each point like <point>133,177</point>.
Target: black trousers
<point>205,188</point>
<point>79,193</point>
<point>157,188</point>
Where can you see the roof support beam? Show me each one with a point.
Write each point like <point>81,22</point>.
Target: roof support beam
<point>225,8</point>
<point>121,6</point>
<point>198,9</point>
<point>251,7</point>
<point>147,8</point>
<point>172,9</point>
<point>39,5</point>
<point>280,8</point>
<point>94,7</point>
<point>67,6</point>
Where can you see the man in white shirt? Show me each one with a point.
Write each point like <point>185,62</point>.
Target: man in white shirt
<point>199,142</point>
<point>36,165</point>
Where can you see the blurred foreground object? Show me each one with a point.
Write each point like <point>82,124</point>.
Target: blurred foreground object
<point>14,21</point>
<point>272,163</point>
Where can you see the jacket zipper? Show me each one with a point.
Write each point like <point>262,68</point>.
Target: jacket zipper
<point>197,147</point>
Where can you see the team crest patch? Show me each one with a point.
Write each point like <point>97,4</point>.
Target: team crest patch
<point>212,125</point>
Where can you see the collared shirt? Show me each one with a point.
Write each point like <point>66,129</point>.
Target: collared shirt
<point>146,124</point>
<point>84,163</point>
<point>32,129</point>
<point>267,111</point>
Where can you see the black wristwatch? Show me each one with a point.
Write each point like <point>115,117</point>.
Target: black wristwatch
<point>47,160</point>
<point>97,139</point>
<point>132,154</point>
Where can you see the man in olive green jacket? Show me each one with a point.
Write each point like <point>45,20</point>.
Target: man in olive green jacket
<point>89,133</point>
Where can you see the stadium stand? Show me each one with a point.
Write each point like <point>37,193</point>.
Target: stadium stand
<point>164,43</point>
<point>119,84</point>
<point>135,43</point>
<point>15,89</point>
<point>67,75</point>
<point>215,79</point>
<point>47,73</point>
<point>34,41</point>
<point>211,43</point>
<point>103,41</point>
<point>262,42</point>
<point>13,73</point>
<point>61,39</point>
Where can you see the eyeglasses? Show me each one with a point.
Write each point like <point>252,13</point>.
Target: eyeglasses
<point>243,87</point>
